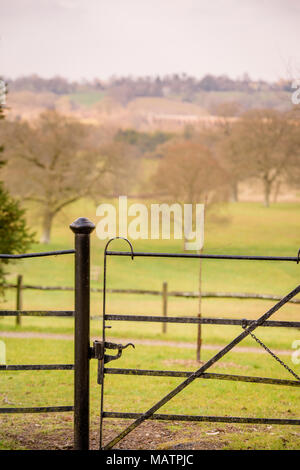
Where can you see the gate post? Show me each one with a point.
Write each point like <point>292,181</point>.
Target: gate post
<point>82,228</point>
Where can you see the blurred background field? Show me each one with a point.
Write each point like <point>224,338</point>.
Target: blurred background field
<point>247,229</point>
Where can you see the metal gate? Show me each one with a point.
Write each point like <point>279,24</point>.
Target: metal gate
<point>248,326</point>
<point>82,228</point>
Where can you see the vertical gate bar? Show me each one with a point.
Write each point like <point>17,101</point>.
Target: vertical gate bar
<point>101,363</point>
<point>199,327</point>
<point>82,228</point>
<point>19,303</point>
<point>165,305</point>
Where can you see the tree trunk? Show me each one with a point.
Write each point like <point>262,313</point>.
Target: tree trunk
<point>277,190</point>
<point>47,225</point>
<point>235,192</point>
<point>267,191</point>
<point>187,240</point>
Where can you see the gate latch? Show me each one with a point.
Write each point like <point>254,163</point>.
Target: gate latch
<point>97,351</point>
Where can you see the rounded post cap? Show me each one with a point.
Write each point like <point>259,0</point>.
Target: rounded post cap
<point>82,225</point>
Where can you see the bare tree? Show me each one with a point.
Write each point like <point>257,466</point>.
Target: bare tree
<point>261,143</point>
<point>53,163</point>
<point>188,173</point>
<point>225,147</point>
<point>234,160</point>
<point>121,164</point>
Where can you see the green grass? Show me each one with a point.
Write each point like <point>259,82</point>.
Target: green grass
<point>86,99</point>
<point>243,228</point>
<point>136,394</point>
<point>246,228</point>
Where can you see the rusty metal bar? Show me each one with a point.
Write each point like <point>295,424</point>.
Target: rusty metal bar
<point>150,412</point>
<point>37,313</point>
<point>207,321</point>
<point>37,255</point>
<point>12,367</point>
<point>82,228</point>
<point>149,318</point>
<point>19,299</point>
<point>40,409</point>
<point>165,305</point>
<point>101,375</point>
<point>210,419</point>
<point>176,373</point>
<point>204,256</point>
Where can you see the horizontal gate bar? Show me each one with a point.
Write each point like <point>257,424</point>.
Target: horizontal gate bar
<point>37,313</point>
<point>211,419</point>
<point>37,367</point>
<point>170,373</point>
<point>208,321</point>
<point>37,255</point>
<point>194,255</point>
<point>41,409</point>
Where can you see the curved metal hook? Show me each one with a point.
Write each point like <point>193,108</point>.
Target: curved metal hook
<point>128,344</point>
<point>120,238</point>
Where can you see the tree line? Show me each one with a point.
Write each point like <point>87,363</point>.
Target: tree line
<point>173,84</point>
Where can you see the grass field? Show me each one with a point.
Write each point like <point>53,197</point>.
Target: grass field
<point>86,99</point>
<point>243,228</point>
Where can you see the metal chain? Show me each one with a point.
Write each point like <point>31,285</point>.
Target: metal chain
<point>272,354</point>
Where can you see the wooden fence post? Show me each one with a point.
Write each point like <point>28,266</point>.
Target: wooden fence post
<point>165,304</point>
<point>19,299</point>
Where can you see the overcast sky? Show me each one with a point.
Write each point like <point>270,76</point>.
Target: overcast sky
<point>100,38</point>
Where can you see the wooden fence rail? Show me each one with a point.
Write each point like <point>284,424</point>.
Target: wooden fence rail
<point>164,292</point>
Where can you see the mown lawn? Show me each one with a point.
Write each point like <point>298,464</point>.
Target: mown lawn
<point>136,394</point>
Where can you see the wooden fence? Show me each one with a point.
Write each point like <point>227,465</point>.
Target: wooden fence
<point>164,293</point>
